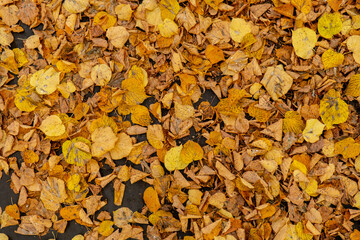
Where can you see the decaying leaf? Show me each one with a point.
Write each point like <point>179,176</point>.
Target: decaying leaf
<point>304,40</point>
<point>77,151</point>
<point>313,130</point>
<point>277,82</point>
<point>333,110</point>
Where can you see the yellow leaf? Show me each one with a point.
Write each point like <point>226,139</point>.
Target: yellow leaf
<point>356,202</point>
<point>78,237</point>
<point>348,148</point>
<point>3,236</point>
<point>29,156</point>
<point>312,187</point>
<point>135,91</point>
<point>123,146</point>
<point>329,24</point>
<point>173,160</point>
<point>13,211</point>
<point>213,3</point>
<point>26,99</point>
<point>101,74</point>
<point>214,54</point>
<point>303,6</point>
<point>168,28</point>
<point>353,88</point>
<point>277,82</point>
<point>333,110</point>
<point>184,112</point>
<point>105,20</point>
<point>118,36</point>
<point>304,40</point>
<point>140,115</point>
<point>73,183</point>
<point>259,114</point>
<point>52,126</point>
<point>151,199</point>
<point>334,4</point>
<point>45,80</point>
<point>70,212</point>
<point>104,140</point>
<point>155,136</point>
<point>123,12</point>
<point>238,29</point>
<point>106,228</point>
<point>293,122</point>
<point>77,151</point>
<point>331,59</point>
<point>169,9</point>
<point>266,211</point>
<point>65,66</point>
<point>6,38</point>
<point>353,44</point>
<point>76,6</point>
<point>138,73</point>
<point>65,88</point>
<point>153,17</point>
<point>20,57</point>
<point>53,193</point>
<point>313,130</point>
<point>191,151</point>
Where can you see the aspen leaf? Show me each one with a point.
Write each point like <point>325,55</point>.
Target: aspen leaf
<point>122,216</point>
<point>53,193</point>
<point>77,151</point>
<point>73,183</point>
<point>20,57</point>
<point>101,74</point>
<point>103,121</point>
<point>134,91</point>
<point>6,38</point>
<point>184,112</point>
<point>213,3</point>
<point>52,126</point>
<point>353,44</point>
<point>123,146</point>
<point>168,28</point>
<point>140,115</point>
<point>331,59</point>
<point>214,54</point>
<point>277,82</point>
<point>78,237</point>
<point>45,81</point>
<point>348,148</point>
<point>151,199</point>
<point>104,140</point>
<point>76,6</point>
<point>191,151</point>
<point>29,156</point>
<point>70,212</point>
<point>333,110</point>
<point>106,228</point>
<point>118,36</point>
<point>303,6</point>
<point>3,236</point>
<point>105,20</point>
<point>13,211</point>
<point>356,202</point>
<point>9,14</point>
<point>138,73</point>
<point>155,136</point>
<point>304,40</point>
<point>65,66</point>
<point>353,88</point>
<point>335,4</point>
<point>329,24</point>
<point>313,130</point>
<point>32,42</point>
<point>293,122</point>
<point>169,9</point>
<point>123,12</point>
<point>238,29</point>
<point>173,160</point>
<point>26,99</point>
<point>259,114</point>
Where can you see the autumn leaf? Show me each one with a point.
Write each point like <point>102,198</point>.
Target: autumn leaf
<point>353,88</point>
<point>45,81</point>
<point>77,151</point>
<point>238,29</point>
<point>333,110</point>
<point>313,130</point>
<point>329,24</point>
<point>293,122</point>
<point>151,199</point>
<point>331,59</point>
<point>76,6</point>
<point>52,126</point>
<point>277,82</point>
<point>304,40</point>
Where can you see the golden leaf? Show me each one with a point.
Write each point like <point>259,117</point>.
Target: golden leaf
<point>348,148</point>
<point>123,146</point>
<point>335,4</point>
<point>123,12</point>
<point>13,211</point>
<point>104,140</point>
<point>52,126</point>
<point>105,20</point>
<point>76,6</point>
<point>53,193</point>
<point>65,66</point>
<point>138,73</point>
<point>135,91</point>
<point>333,110</point>
<point>329,24</point>
<point>101,74</point>
<point>45,80</point>
<point>313,130</point>
<point>277,82</point>
<point>155,136</point>
<point>3,236</point>
<point>304,40</point>
<point>353,88</point>
<point>353,44</point>
<point>6,38</point>
<point>168,28</point>
<point>173,160</point>
<point>238,29</point>
<point>293,122</point>
<point>118,36</point>
<point>303,6</point>
<point>191,151</point>
<point>77,151</point>
<point>151,199</point>
<point>213,3</point>
<point>331,59</point>
<point>29,156</point>
<point>140,115</point>
<point>214,54</point>
<point>106,228</point>
<point>184,112</point>
<point>169,9</point>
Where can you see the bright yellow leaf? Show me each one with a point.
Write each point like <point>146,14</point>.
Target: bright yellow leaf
<point>45,80</point>
<point>191,151</point>
<point>123,147</point>
<point>104,140</point>
<point>106,228</point>
<point>105,20</point>
<point>331,59</point>
<point>140,115</point>
<point>76,6</point>
<point>168,28</point>
<point>304,40</point>
<point>348,148</point>
<point>155,136</point>
<point>52,126</point>
<point>135,91</point>
<point>238,29</point>
<point>151,199</point>
<point>169,9</point>
<point>118,36</point>
<point>293,122</point>
<point>329,24</point>
<point>101,74</point>
<point>333,110</point>
<point>353,88</point>
<point>123,12</point>
<point>77,151</point>
<point>313,130</point>
<point>184,112</point>
<point>303,6</point>
<point>173,160</point>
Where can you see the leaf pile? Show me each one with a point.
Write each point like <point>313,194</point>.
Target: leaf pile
<point>242,117</point>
